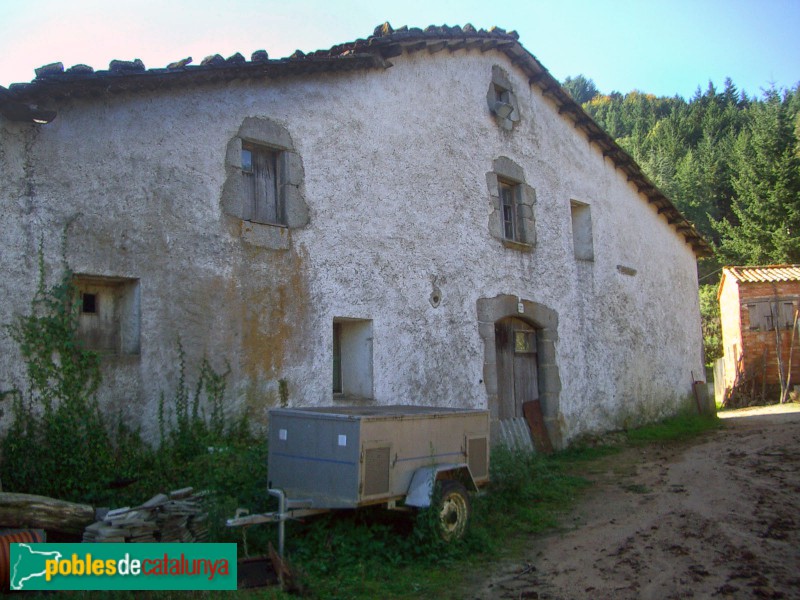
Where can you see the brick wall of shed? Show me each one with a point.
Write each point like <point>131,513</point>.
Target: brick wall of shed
<point>760,347</point>
<point>730,319</point>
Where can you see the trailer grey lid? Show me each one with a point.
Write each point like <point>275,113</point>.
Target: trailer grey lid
<point>389,411</point>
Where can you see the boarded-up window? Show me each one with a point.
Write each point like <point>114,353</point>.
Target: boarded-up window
<point>582,230</point>
<point>765,315</point>
<point>261,170</point>
<point>787,314</point>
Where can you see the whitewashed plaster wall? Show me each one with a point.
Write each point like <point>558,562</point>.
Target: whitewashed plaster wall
<point>395,167</point>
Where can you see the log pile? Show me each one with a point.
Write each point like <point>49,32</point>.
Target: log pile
<point>28,511</point>
<point>177,517</point>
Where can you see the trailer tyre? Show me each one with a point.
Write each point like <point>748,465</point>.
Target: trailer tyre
<point>454,509</point>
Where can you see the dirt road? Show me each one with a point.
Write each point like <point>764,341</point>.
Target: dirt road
<point>718,517</point>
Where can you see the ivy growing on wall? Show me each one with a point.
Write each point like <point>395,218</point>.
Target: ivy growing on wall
<point>57,443</point>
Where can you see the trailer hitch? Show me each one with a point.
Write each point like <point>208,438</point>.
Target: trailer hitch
<point>288,508</point>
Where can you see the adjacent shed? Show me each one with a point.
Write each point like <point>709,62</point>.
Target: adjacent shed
<point>758,309</point>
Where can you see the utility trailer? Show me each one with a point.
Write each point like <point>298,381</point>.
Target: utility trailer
<point>328,458</point>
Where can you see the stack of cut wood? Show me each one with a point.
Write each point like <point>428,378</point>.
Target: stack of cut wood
<point>177,517</point>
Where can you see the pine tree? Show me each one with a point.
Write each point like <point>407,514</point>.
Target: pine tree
<point>765,225</point>
<point>580,88</point>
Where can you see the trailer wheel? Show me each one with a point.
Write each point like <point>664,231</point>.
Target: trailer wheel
<point>454,509</point>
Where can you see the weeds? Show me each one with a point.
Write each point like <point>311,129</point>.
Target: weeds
<point>59,444</point>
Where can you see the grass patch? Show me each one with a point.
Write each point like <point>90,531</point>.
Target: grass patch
<point>680,427</point>
<point>379,554</point>
<point>374,553</point>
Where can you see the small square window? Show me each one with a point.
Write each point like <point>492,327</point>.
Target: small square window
<point>89,303</point>
<point>247,161</point>
<point>108,319</point>
<point>524,342</point>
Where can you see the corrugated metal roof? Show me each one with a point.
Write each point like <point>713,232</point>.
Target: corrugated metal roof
<point>764,274</point>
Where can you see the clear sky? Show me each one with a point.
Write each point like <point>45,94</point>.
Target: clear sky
<point>664,47</point>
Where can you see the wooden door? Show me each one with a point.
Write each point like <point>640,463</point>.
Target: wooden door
<point>517,372</point>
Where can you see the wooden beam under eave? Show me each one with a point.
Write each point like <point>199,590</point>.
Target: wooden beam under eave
<point>416,47</point>
<point>489,45</point>
<point>567,108</point>
<point>534,79</point>
<point>436,47</point>
<point>646,188</point>
<point>472,45</point>
<point>456,46</point>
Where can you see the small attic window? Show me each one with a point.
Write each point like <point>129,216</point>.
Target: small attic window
<point>502,100</point>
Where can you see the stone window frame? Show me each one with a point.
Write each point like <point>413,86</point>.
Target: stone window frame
<point>502,100</point>
<point>505,172</point>
<point>260,132</point>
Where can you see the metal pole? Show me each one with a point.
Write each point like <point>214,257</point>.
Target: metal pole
<point>281,518</point>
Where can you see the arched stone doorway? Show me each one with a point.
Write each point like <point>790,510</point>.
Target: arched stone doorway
<point>513,377</point>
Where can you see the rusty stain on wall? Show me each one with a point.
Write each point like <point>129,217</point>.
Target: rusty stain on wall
<point>275,316</point>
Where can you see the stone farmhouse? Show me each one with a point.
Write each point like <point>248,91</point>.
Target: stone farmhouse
<point>418,217</point>
<point>758,307</point>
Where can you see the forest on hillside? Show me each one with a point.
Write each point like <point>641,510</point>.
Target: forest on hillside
<point>729,162</point>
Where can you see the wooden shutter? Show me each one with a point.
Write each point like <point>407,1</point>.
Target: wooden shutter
<point>260,172</point>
